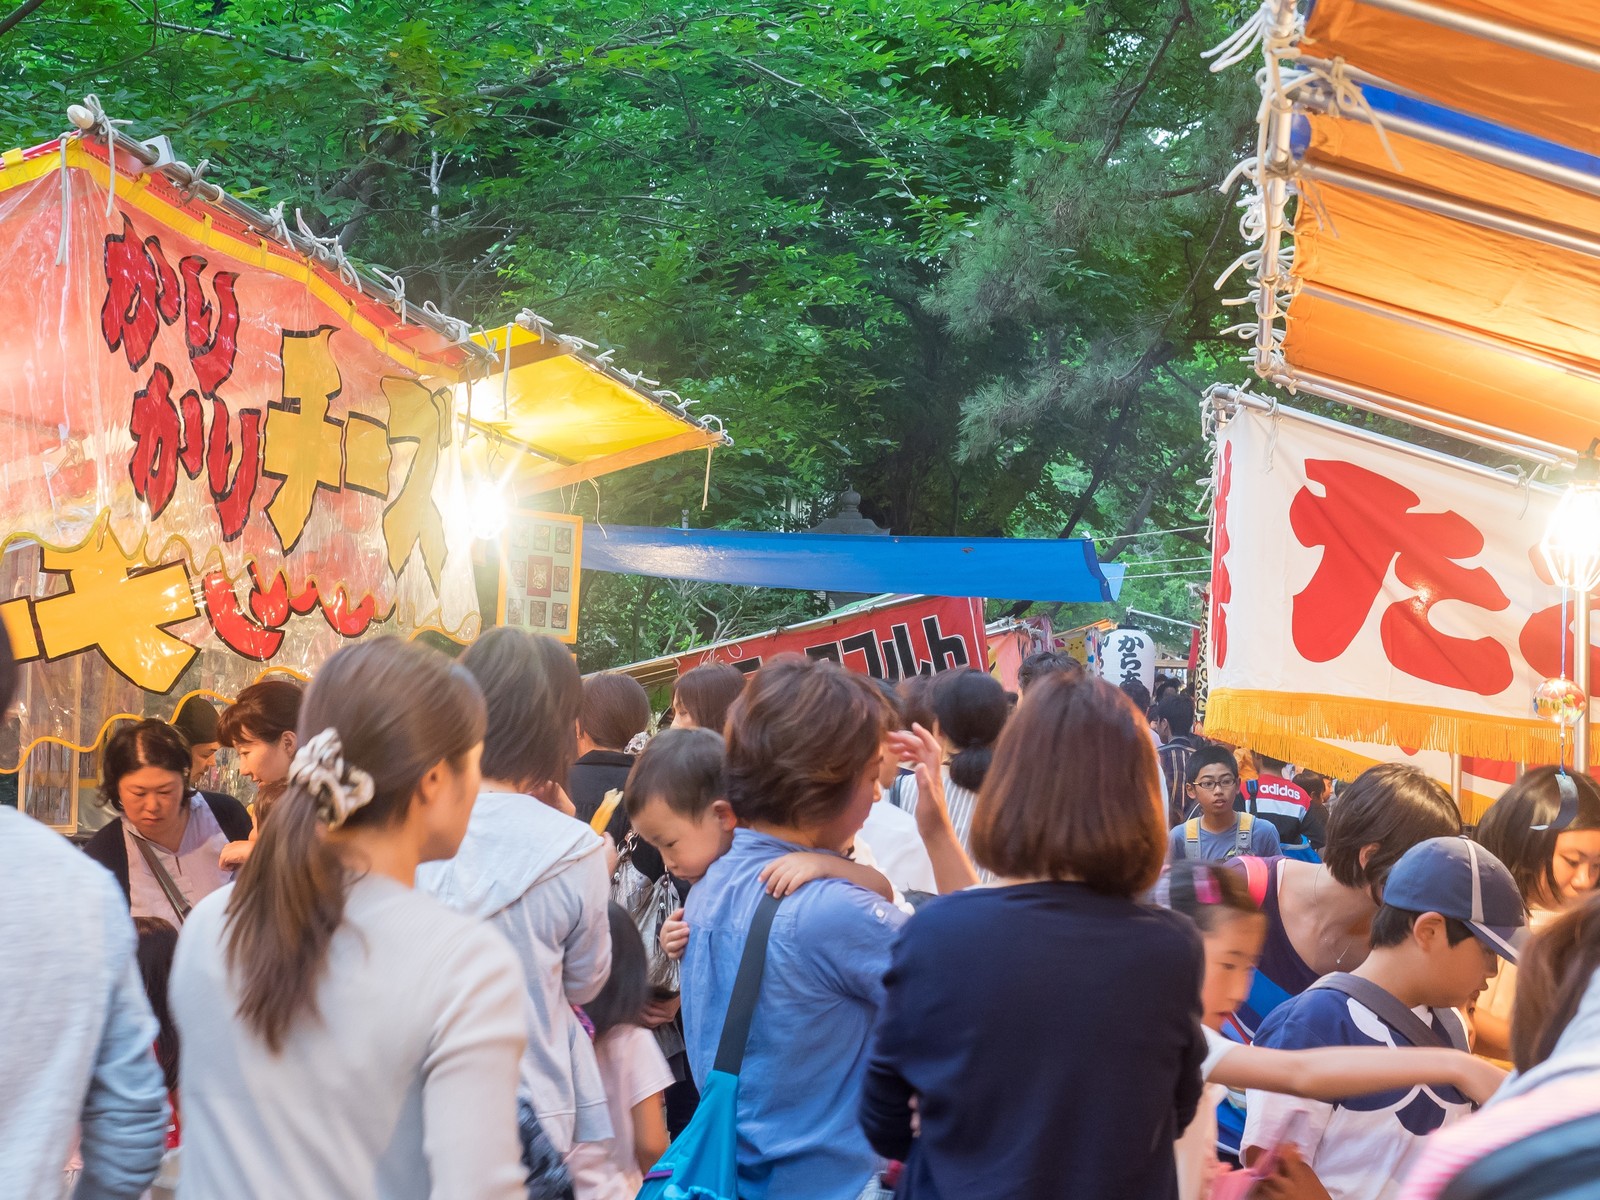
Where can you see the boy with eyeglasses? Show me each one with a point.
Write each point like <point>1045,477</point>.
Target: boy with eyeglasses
<point>1219,832</point>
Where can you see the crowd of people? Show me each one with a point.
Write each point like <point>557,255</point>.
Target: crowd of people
<point>490,930</point>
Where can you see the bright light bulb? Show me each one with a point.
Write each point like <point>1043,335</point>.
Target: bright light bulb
<point>486,510</point>
<point>1571,542</point>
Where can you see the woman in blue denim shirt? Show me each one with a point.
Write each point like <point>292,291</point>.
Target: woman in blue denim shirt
<point>803,745</point>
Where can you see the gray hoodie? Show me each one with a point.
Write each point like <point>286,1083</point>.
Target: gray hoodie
<point>1577,1051</point>
<point>540,878</point>
<point>78,1047</point>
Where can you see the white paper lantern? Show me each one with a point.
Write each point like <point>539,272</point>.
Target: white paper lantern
<point>1127,654</point>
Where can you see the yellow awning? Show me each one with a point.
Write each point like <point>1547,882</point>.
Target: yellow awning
<point>573,416</point>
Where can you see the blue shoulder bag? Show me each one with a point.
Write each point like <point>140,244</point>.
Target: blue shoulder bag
<point>703,1163</point>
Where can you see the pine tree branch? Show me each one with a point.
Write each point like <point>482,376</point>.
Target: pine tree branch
<point>1141,511</point>
<point>1114,139</point>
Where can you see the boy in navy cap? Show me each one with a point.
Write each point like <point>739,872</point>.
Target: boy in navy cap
<point>1450,910</point>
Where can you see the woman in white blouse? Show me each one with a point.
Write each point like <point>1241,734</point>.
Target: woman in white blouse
<point>164,846</point>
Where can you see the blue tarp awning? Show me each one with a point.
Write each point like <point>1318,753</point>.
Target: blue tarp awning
<point>1064,569</point>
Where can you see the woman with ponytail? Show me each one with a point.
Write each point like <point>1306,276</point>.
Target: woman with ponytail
<point>969,710</point>
<point>344,1035</point>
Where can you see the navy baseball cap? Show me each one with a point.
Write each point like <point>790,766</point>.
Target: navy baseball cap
<point>1458,878</point>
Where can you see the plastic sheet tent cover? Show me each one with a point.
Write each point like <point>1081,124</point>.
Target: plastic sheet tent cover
<point>1426,208</point>
<point>1528,66</point>
<point>217,456</point>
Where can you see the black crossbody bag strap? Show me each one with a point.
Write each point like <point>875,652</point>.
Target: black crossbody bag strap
<point>746,987</point>
<point>180,903</point>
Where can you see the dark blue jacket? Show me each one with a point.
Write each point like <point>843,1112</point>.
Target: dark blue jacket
<point>1052,1038</point>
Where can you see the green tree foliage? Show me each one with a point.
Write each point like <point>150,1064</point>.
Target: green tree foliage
<point>953,252</point>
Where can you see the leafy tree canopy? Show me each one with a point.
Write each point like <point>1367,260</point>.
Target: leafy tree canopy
<point>955,253</point>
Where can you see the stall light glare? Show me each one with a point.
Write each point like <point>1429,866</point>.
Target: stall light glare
<point>1571,542</point>
<point>486,510</point>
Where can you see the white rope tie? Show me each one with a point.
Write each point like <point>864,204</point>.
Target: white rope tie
<point>396,283</point>
<point>1241,43</point>
<point>1250,258</point>
<point>319,245</point>
<point>196,174</point>
<point>1349,100</point>
<point>330,251</point>
<point>107,129</point>
<point>65,237</point>
<point>347,270</point>
<point>457,330</point>
<point>1274,30</point>
<point>280,227</point>
<point>534,323</point>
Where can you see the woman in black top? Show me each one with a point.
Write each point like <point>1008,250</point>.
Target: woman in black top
<point>615,710</point>
<point>1048,1028</point>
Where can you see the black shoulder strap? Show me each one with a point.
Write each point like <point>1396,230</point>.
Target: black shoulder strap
<point>746,987</point>
<point>1395,1014</point>
<point>175,897</point>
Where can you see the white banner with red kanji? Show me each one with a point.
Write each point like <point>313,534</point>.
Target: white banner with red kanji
<point>1363,592</point>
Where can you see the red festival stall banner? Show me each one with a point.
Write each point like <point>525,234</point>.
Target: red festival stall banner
<point>919,636</point>
<point>219,457</point>
<point>1365,592</point>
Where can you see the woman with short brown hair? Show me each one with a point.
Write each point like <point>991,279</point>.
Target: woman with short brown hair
<point>1047,1027</point>
<point>703,696</point>
<point>803,743</point>
<point>1061,806</point>
<point>535,873</point>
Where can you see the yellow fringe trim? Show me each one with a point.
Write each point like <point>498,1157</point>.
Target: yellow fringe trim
<point>1338,762</point>
<point>1261,714</point>
<point>1294,726</point>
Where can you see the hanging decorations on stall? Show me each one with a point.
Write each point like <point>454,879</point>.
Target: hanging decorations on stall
<point>540,557</point>
<point>217,453</point>
<point>1559,701</point>
<point>1367,591</point>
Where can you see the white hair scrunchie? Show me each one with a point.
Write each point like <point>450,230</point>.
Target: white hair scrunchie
<point>338,788</point>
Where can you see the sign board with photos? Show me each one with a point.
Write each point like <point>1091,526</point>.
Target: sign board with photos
<point>540,555</point>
